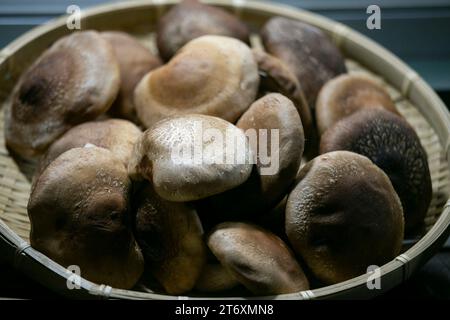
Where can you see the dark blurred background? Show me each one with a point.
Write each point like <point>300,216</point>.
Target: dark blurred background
<point>418,31</point>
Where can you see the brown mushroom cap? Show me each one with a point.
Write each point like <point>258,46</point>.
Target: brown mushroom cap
<point>135,61</point>
<point>344,216</point>
<point>192,19</point>
<point>171,237</point>
<point>260,260</point>
<point>211,75</point>
<point>346,94</point>
<point>73,81</point>
<point>393,145</point>
<point>79,215</point>
<point>277,77</point>
<point>263,190</point>
<point>215,278</point>
<point>118,136</point>
<point>186,157</point>
<point>306,50</point>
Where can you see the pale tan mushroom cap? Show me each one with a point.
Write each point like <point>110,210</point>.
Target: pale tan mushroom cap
<point>346,94</point>
<point>343,216</point>
<point>116,135</point>
<point>76,80</point>
<point>135,61</point>
<point>211,75</point>
<point>158,157</point>
<point>79,215</point>
<point>257,258</point>
<point>171,237</point>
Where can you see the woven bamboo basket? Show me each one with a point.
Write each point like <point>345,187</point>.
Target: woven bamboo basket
<point>414,99</point>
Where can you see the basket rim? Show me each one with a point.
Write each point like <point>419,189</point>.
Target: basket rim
<point>413,87</point>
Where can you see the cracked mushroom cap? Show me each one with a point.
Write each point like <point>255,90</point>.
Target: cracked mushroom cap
<point>346,94</point>
<point>344,216</point>
<point>79,215</point>
<point>191,19</point>
<point>393,145</point>
<point>306,50</point>
<point>171,237</point>
<point>135,61</point>
<point>258,259</point>
<point>277,140</point>
<point>116,135</point>
<point>73,81</point>
<point>211,75</point>
<point>191,157</point>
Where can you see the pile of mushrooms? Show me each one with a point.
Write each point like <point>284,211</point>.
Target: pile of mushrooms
<point>111,123</point>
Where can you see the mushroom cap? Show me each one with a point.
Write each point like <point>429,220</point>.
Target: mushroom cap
<point>116,135</point>
<point>170,235</point>
<point>211,75</point>
<point>258,259</point>
<point>135,61</point>
<point>277,77</point>
<point>79,215</point>
<point>215,278</point>
<point>343,216</point>
<point>346,94</point>
<point>73,81</point>
<point>393,145</point>
<point>190,157</point>
<point>265,187</point>
<point>306,50</point>
<point>191,19</point>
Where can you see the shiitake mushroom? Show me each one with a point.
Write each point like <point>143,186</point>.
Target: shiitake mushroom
<point>393,145</point>
<point>344,216</point>
<point>306,50</point>
<point>258,259</point>
<point>170,235</point>
<point>116,135</point>
<point>346,94</point>
<point>79,214</point>
<point>277,77</point>
<point>135,61</point>
<point>211,75</point>
<point>275,117</point>
<point>186,158</point>
<point>75,80</point>
<point>191,19</point>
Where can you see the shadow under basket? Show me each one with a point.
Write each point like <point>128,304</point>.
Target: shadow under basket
<point>414,99</point>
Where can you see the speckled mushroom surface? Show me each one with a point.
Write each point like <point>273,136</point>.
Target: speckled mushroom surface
<point>344,216</point>
<point>211,75</point>
<point>191,19</point>
<point>392,144</point>
<point>80,215</point>
<point>73,81</point>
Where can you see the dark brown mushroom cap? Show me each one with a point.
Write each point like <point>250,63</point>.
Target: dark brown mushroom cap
<point>135,61</point>
<point>192,19</point>
<point>116,135</point>
<point>344,216</point>
<point>306,50</point>
<point>275,169</point>
<point>393,145</point>
<point>211,75</point>
<point>73,81</point>
<point>79,215</point>
<point>186,158</point>
<point>170,235</point>
<point>277,77</point>
<point>346,94</point>
<point>260,260</point>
